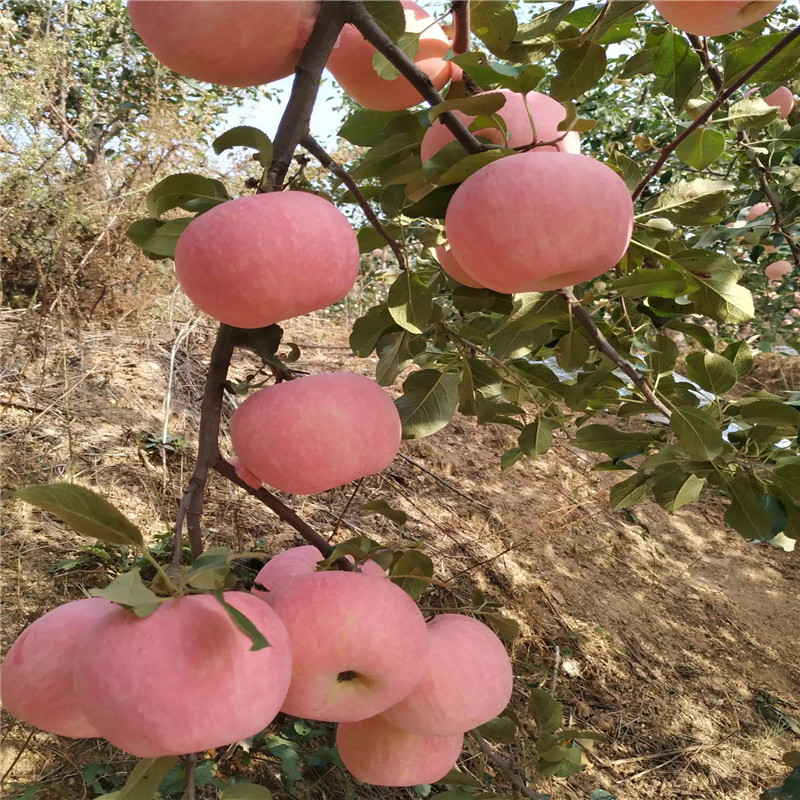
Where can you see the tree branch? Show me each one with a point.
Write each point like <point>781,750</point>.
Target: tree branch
<point>375,35</point>
<point>318,151</point>
<point>506,769</point>
<point>701,48</point>
<point>667,151</point>
<point>461,22</point>
<point>605,347</point>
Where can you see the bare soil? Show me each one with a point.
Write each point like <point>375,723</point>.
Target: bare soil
<point>659,631</point>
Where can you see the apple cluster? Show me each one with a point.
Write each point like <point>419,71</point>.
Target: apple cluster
<point>345,647</point>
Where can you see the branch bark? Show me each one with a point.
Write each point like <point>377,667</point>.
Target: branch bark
<point>506,769</point>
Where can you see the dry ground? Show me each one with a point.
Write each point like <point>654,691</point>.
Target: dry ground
<point>658,631</point>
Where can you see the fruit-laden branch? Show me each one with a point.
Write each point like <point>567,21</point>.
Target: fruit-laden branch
<point>605,347</point>
<point>318,151</point>
<point>380,40</point>
<point>506,769</point>
<point>667,151</point>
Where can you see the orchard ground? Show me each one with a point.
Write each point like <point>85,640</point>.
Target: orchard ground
<point>662,632</point>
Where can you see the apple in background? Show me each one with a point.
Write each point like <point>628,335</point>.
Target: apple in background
<point>454,269</point>
<point>376,752</point>
<point>360,644</point>
<point>795,312</point>
<point>757,210</point>
<point>261,259</point>
<point>546,113</point>
<point>184,679</point>
<point>299,561</point>
<point>311,434</point>
<point>246,43</point>
<point>469,680</point>
<point>783,98</point>
<point>777,269</point>
<point>36,675</point>
<point>350,62</point>
<point>713,17</point>
<point>575,227</point>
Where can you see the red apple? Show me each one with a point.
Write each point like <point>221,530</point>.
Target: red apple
<point>777,269</point>
<point>261,259</point>
<point>783,98</point>
<point>350,63</point>
<point>468,682</point>
<point>546,113</point>
<point>536,222</point>
<point>376,752</point>
<point>757,210</point>
<point>360,644</point>
<point>184,679</point>
<point>233,43</point>
<point>713,17</point>
<point>37,671</point>
<point>454,269</point>
<point>300,561</point>
<point>311,434</point>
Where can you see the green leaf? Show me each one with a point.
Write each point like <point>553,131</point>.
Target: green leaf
<point>572,351</point>
<point>246,136</point>
<point>470,164</point>
<point>545,710</point>
<point>698,433</point>
<point>185,190</point>
<point>711,371</point>
<point>614,443</point>
<point>428,403</point>
<point>751,113</point>
<point>642,282</point>
<point>245,791</point>
<point>155,238</point>
<point>689,202</point>
<point>510,457</point>
<point>410,302</point>
<point>672,488</point>
<point>701,148</point>
<point>536,438</point>
<point>500,730</point>
<point>578,70</point>
<point>369,329</point>
<point>697,332</point>
<point>396,351</point>
<point>84,511</point>
<point>745,514</point>
<point>505,627</point>
<point>389,16</point>
<point>264,342</point>
<point>127,590</point>
<point>210,569</point>
<point>677,68</point>
<point>494,23</point>
<point>457,778</point>
<point>662,356</point>
<point>144,780</point>
<point>365,127</point>
<point>484,105</point>
<point>408,43</point>
<point>396,515</point>
<point>630,492</point>
<point>244,624</point>
<point>390,150</point>
<point>628,169</point>
<point>744,52</point>
<point>738,353</point>
<point>771,412</point>
<point>412,562</point>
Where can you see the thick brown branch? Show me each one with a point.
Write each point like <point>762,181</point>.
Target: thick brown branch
<point>506,769</point>
<point>605,347</point>
<point>382,42</point>
<point>721,98</point>
<point>461,24</point>
<point>701,48</point>
<point>318,151</point>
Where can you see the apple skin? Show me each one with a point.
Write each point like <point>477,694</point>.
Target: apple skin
<point>546,112</point>
<point>184,679</point>
<point>224,42</point>
<point>783,98</point>
<point>350,62</point>
<point>261,259</point>
<point>757,210</point>
<point>308,435</point>
<point>469,680</point>
<point>454,269</point>
<point>713,17</point>
<point>536,222</point>
<point>777,269</point>
<point>376,752</point>
<point>342,623</point>
<point>299,561</point>
<point>36,675</point>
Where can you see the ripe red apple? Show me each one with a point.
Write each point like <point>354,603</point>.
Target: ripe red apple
<point>311,434</point>
<point>37,671</point>
<point>454,269</point>
<point>242,43</point>
<point>777,269</point>
<point>794,312</point>
<point>536,222</point>
<point>299,561</point>
<point>261,259</point>
<point>783,98</point>
<point>350,63</point>
<point>359,642</point>
<point>376,752</point>
<point>546,113</point>
<point>469,680</point>
<point>713,17</point>
<point>184,679</point>
<point>757,210</point>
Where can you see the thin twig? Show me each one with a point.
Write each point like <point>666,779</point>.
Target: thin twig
<point>346,507</point>
<point>556,668</point>
<point>189,761</point>
<point>444,482</point>
<point>604,346</point>
<point>667,151</point>
<point>506,768</point>
<point>318,151</point>
<point>701,48</point>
